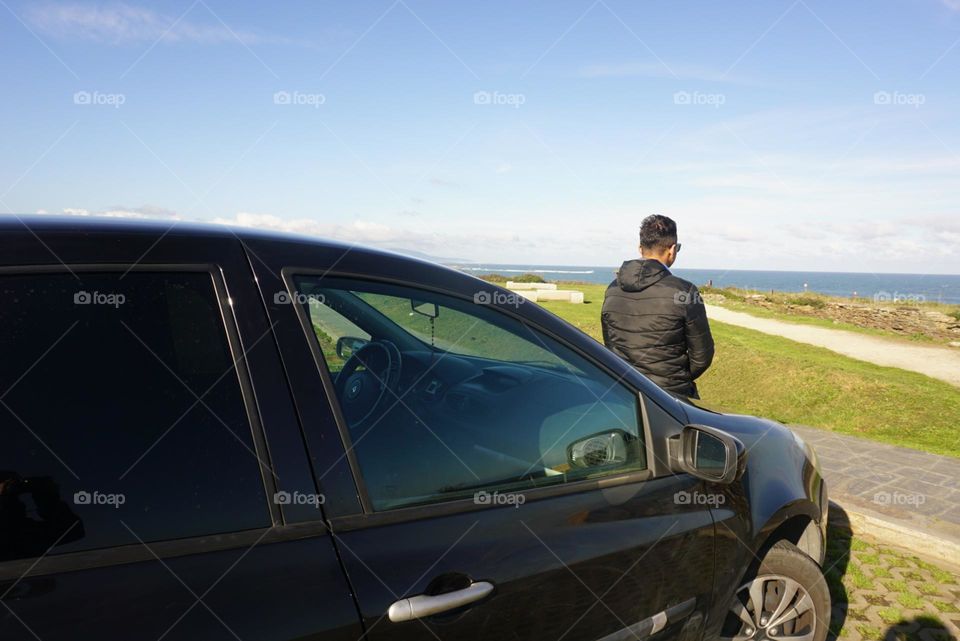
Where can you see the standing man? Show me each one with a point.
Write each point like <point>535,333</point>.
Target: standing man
<point>655,320</point>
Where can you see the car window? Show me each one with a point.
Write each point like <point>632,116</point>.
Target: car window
<point>121,414</point>
<point>446,398</point>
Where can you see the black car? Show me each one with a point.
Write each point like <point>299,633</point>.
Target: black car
<point>211,433</point>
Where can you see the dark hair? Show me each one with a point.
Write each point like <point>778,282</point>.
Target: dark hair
<point>658,232</point>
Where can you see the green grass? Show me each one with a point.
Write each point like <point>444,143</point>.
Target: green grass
<point>890,615</point>
<point>945,606</point>
<point>910,600</point>
<point>755,373</point>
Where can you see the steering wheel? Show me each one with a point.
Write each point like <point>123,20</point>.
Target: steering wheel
<point>370,375</point>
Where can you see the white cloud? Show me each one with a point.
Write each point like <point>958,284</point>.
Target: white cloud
<point>120,211</point>
<point>952,4</point>
<point>130,24</point>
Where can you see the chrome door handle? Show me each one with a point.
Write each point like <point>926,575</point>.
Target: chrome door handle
<point>420,606</point>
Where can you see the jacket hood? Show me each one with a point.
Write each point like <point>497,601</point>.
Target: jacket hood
<point>636,275</point>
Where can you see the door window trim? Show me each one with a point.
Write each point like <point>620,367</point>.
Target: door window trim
<point>370,517</point>
<point>124,554</point>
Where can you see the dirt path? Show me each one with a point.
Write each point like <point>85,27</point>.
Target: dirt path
<point>938,362</point>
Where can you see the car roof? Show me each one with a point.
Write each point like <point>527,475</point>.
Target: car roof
<point>159,226</point>
<point>121,225</point>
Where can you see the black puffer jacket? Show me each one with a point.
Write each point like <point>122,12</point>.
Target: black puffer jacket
<point>657,322</point>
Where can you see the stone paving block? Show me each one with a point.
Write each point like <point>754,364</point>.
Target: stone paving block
<point>928,490</point>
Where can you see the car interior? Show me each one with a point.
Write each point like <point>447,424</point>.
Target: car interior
<point>484,400</point>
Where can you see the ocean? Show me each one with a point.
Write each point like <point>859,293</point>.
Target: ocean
<point>904,288</point>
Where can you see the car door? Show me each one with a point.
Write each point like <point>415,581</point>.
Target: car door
<point>474,519</point>
<point>152,471</point>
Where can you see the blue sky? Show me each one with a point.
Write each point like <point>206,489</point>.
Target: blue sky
<point>797,134</point>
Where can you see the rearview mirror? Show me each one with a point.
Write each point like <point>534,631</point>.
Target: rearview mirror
<point>708,453</point>
<point>347,345</point>
<point>430,310</point>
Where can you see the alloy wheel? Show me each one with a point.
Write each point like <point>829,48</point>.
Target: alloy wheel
<point>771,608</point>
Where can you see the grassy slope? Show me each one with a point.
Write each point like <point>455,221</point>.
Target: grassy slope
<point>755,373</point>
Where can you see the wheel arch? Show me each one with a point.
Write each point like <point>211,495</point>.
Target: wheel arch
<point>798,524</point>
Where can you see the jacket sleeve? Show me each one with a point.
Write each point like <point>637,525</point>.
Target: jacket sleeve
<point>605,330</point>
<point>697,331</point>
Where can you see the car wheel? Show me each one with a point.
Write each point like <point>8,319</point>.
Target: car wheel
<point>785,598</point>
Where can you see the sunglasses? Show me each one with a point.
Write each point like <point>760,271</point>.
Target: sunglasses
<point>678,245</point>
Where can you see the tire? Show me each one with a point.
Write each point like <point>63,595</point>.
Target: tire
<point>794,596</point>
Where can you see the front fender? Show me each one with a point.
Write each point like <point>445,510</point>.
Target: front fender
<point>780,495</point>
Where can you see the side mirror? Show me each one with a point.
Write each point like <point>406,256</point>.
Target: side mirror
<point>613,447</point>
<point>430,310</point>
<point>347,345</point>
<point>708,453</point>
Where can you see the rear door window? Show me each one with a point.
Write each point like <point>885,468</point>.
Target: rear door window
<point>121,414</point>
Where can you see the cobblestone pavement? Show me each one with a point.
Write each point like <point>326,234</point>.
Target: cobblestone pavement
<point>883,594</point>
<point>917,489</point>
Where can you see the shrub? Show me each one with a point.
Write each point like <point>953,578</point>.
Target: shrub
<point>808,301</point>
<point>522,278</point>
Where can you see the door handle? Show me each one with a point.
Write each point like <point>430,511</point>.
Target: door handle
<point>417,607</point>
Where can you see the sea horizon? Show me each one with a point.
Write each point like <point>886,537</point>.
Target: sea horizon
<point>884,287</point>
